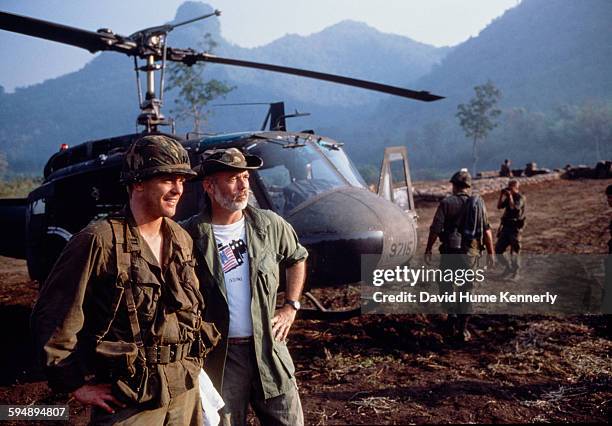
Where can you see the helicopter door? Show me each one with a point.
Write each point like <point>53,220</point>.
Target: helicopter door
<point>394,183</point>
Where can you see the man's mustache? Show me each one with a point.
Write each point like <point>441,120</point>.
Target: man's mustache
<point>241,195</point>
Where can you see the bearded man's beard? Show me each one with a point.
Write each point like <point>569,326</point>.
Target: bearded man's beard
<point>230,203</point>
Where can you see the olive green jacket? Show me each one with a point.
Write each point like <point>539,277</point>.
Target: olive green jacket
<point>271,241</point>
<point>82,304</point>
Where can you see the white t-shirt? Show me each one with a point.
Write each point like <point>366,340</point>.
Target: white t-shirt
<point>232,247</point>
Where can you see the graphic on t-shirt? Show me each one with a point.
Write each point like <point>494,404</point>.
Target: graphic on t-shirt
<point>232,254</point>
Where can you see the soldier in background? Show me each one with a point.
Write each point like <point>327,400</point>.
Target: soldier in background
<point>509,233</point>
<point>504,170</point>
<point>460,248</point>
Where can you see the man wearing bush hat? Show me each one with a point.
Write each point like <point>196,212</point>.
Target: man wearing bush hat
<point>239,250</point>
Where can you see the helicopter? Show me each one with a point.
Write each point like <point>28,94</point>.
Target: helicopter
<point>306,178</point>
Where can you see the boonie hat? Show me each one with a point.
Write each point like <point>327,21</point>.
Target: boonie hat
<point>155,155</point>
<point>229,159</point>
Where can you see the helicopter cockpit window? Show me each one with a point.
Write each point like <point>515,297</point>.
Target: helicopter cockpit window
<point>338,157</point>
<point>294,175</point>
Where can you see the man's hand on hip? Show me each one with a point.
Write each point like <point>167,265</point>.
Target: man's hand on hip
<point>98,395</point>
<point>282,321</point>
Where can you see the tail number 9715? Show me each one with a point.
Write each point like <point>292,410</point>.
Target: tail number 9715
<point>400,249</point>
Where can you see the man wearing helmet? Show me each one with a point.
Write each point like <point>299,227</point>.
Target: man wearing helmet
<point>118,320</point>
<point>462,225</point>
<point>240,250</point>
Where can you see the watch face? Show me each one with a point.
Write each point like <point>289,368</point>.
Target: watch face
<point>296,304</point>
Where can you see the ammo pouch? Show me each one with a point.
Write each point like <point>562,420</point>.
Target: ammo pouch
<point>121,363</point>
<point>117,358</point>
<point>454,240</point>
<point>135,388</point>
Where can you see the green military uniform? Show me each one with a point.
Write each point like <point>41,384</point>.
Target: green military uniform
<point>449,217</point>
<point>509,234</point>
<point>457,254</point>
<point>270,241</point>
<point>110,310</point>
<point>80,306</point>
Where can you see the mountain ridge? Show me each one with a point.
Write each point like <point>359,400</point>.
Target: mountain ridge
<point>105,86</point>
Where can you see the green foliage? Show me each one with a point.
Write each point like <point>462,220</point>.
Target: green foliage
<point>194,92</point>
<point>18,187</point>
<point>3,163</point>
<point>477,118</point>
<point>595,118</point>
<point>567,134</point>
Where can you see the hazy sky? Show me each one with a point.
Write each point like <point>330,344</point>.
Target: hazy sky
<point>247,23</point>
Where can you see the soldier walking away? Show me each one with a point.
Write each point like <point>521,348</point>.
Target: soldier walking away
<point>504,170</point>
<point>462,225</point>
<point>239,250</point>
<point>509,233</point>
<point>118,322</point>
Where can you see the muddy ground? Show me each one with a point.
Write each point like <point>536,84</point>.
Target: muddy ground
<point>400,369</point>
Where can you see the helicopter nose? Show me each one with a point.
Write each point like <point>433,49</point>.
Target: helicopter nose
<point>341,226</point>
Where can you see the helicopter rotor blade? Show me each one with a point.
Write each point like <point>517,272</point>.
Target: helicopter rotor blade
<point>89,40</point>
<point>190,58</point>
<point>106,40</point>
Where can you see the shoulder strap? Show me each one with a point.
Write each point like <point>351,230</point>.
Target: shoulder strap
<point>183,238</point>
<point>473,228</point>
<point>123,271</point>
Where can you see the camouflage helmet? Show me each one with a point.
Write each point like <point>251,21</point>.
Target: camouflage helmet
<point>155,155</point>
<point>462,179</point>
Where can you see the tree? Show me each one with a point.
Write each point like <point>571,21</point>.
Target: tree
<point>3,165</point>
<point>594,119</point>
<point>477,117</point>
<point>194,92</point>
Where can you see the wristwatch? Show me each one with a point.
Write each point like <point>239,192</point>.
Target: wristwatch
<point>295,304</point>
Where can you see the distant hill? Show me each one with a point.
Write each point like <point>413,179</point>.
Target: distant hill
<point>550,58</point>
<point>347,48</point>
<point>544,55</point>
<point>100,99</point>
<point>541,54</point>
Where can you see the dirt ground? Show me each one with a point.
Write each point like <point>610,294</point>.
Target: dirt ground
<point>399,369</point>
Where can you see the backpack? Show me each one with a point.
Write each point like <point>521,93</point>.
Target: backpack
<point>469,228</point>
<point>473,226</point>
